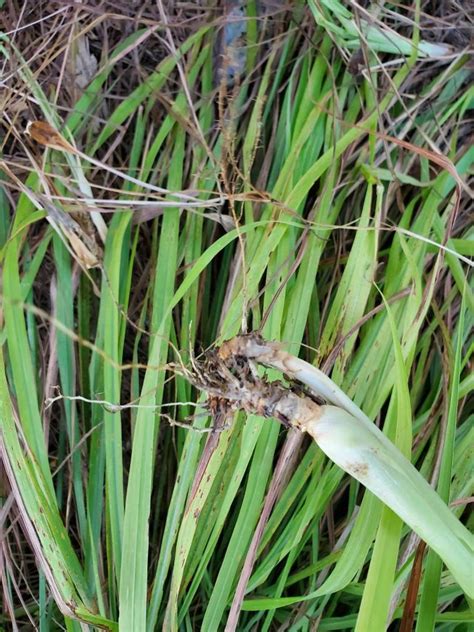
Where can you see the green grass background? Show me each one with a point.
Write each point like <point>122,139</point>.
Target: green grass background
<point>342,153</point>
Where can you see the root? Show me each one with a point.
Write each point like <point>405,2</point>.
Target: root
<point>229,375</point>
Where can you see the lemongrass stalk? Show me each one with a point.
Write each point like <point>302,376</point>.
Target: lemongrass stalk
<point>365,453</point>
<point>357,446</point>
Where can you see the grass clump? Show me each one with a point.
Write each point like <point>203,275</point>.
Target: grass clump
<point>301,171</point>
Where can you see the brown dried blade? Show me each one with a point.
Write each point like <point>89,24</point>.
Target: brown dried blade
<point>284,467</point>
<point>220,411</point>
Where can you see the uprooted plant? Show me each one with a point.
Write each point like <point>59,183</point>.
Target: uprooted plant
<point>344,433</point>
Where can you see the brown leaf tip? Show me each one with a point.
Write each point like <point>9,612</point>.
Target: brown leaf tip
<point>45,134</point>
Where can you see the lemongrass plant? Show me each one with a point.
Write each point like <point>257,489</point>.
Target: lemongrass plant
<point>346,435</point>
